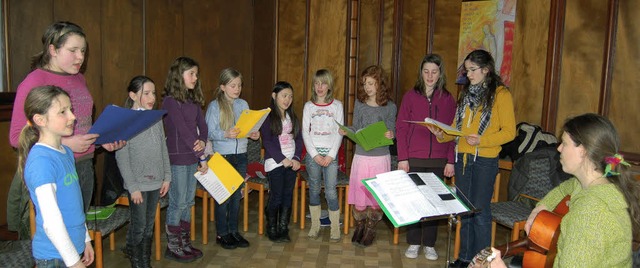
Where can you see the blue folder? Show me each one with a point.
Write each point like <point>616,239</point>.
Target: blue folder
<point>121,124</point>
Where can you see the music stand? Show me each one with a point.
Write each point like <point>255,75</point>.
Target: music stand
<point>452,220</point>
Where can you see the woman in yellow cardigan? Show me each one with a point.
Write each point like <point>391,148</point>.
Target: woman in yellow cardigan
<point>485,115</point>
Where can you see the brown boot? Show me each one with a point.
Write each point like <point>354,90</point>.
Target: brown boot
<point>373,217</point>
<point>360,218</point>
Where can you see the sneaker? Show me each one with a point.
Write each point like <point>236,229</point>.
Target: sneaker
<point>430,253</point>
<point>412,251</point>
<point>240,241</point>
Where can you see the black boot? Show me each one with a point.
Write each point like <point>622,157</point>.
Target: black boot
<point>174,246</point>
<point>145,260</point>
<point>360,218</point>
<point>283,224</point>
<point>135,256</point>
<point>272,224</point>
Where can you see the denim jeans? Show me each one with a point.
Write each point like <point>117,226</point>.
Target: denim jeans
<point>330,174</point>
<point>227,213</point>
<point>281,183</point>
<point>181,194</point>
<point>53,263</point>
<point>142,217</point>
<point>475,181</point>
<point>86,178</point>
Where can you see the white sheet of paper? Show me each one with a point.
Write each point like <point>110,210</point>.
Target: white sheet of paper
<point>213,185</point>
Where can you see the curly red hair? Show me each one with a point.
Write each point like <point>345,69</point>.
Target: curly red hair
<point>382,94</point>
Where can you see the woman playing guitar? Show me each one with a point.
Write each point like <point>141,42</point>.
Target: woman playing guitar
<point>605,199</point>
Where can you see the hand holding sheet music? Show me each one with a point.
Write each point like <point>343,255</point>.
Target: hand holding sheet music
<point>444,127</point>
<point>250,121</point>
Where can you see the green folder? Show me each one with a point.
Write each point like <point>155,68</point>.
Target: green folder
<point>100,213</point>
<point>370,137</point>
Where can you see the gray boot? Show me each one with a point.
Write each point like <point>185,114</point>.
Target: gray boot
<point>315,221</point>
<point>334,217</point>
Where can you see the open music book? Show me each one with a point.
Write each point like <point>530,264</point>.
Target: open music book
<point>408,198</point>
<point>444,127</point>
<point>222,179</point>
<point>369,137</point>
<point>251,121</point>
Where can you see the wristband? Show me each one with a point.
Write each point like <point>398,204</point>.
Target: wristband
<point>203,160</point>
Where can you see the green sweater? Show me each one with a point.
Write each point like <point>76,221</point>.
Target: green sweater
<point>597,230</point>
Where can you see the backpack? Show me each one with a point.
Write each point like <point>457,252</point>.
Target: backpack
<point>529,137</point>
<point>529,165</point>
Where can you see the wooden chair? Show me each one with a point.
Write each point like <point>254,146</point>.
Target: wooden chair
<point>494,198</point>
<point>204,195</point>
<point>157,226</point>
<point>342,186</point>
<point>255,153</point>
<point>97,229</point>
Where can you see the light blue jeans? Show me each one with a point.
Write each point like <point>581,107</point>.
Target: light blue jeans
<point>330,174</point>
<point>181,194</point>
<point>475,181</point>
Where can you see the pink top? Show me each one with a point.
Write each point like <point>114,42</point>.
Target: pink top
<point>81,102</point>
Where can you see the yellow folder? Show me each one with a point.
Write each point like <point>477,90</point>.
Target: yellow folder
<point>221,180</point>
<point>250,121</point>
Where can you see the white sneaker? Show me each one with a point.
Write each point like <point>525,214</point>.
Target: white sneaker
<point>412,251</point>
<point>430,253</point>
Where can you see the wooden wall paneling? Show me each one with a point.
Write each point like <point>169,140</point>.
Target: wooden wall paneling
<point>263,62</point>
<point>581,58</point>
<point>164,39</point>
<point>290,49</point>
<point>529,58</point>
<point>221,38</point>
<point>557,14</point>
<point>87,15</point>
<point>413,44</point>
<point>9,165</point>
<point>387,8</point>
<point>121,61</point>
<point>27,21</point>
<point>369,38</point>
<point>625,93</point>
<point>608,57</point>
<point>328,42</point>
<point>445,40</point>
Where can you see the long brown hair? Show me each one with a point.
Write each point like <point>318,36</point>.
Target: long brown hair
<point>600,139</point>
<point>174,85</point>
<point>382,94</point>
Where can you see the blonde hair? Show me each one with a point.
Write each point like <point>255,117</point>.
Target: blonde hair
<point>226,107</point>
<point>324,76</point>
<point>38,101</point>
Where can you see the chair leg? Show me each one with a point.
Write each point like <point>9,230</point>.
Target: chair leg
<point>245,212</point>
<point>303,206</point>
<point>295,199</point>
<point>205,222</point>
<point>193,223</point>
<point>156,232</point>
<point>351,219</point>
<point>346,211</point>
<point>456,243</point>
<point>396,232</point>
<point>112,241</point>
<point>98,249</point>
<point>261,210</point>
<point>212,209</point>
<point>340,195</point>
<point>515,233</point>
<point>493,233</point>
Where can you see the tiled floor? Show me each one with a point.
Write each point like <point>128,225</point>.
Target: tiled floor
<point>300,252</point>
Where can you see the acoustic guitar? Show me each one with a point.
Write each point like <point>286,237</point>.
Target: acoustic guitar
<point>539,247</point>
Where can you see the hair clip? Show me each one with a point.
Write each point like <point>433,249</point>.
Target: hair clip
<point>612,162</point>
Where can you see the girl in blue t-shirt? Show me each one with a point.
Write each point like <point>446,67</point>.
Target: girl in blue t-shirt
<point>48,168</point>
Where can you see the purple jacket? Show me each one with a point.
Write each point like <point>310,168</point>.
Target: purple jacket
<point>416,141</point>
<point>271,143</point>
<point>183,125</point>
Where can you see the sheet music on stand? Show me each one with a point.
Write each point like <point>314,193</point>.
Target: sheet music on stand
<point>408,198</point>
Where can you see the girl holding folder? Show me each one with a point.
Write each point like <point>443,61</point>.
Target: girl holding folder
<point>221,117</point>
<point>373,105</point>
